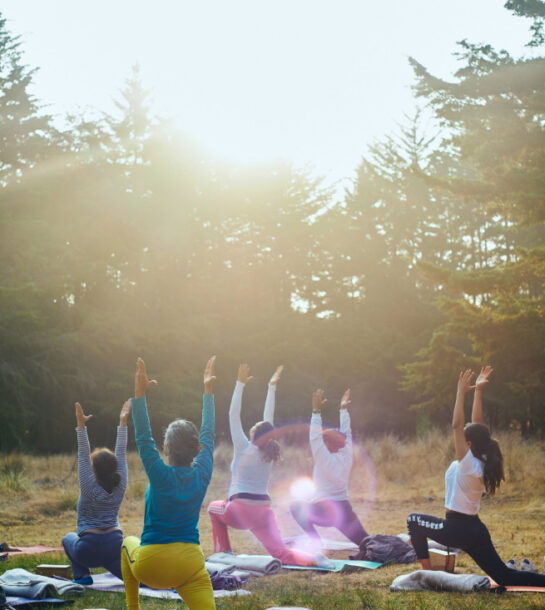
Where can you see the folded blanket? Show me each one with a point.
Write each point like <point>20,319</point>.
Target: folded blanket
<point>259,565</point>
<point>21,583</point>
<point>213,567</point>
<point>435,580</point>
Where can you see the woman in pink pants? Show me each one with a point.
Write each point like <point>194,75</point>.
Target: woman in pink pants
<point>249,504</point>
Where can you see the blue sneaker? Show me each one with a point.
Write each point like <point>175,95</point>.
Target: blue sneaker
<point>87,580</point>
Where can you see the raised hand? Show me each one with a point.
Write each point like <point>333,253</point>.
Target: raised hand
<point>274,379</point>
<point>482,379</point>
<point>244,373</point>
<point>209,376</point>
<point>464,381</point>
<point>141,381</point>
<point>345,400</point>
<point>81,418</point>
<point>125,410</point>
<point>318,401</point>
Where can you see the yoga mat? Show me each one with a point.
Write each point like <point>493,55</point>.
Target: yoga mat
<point>109,582</point>
<point>518,588</point>
<point>326,544</point>
<point>341,565</point>
<point>25,601</point>
<point>31,550</point>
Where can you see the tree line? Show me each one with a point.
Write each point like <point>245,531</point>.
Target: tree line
<point>122,238</point>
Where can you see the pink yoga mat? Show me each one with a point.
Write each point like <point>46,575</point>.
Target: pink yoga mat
<point>30,550</point>
<point>515,588</point>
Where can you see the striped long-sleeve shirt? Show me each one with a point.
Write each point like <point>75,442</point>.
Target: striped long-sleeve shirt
<point>96,507</point>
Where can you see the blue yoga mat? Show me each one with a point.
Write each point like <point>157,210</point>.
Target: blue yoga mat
<point>341,565</point>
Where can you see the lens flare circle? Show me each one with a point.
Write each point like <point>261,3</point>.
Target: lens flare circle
<point>302,488</point>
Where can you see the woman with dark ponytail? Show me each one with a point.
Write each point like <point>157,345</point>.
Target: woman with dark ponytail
<point>249,504</point>
<point>478,468</point>
<point>102,483</point>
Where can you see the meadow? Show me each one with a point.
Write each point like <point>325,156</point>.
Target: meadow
<point>390,479</point>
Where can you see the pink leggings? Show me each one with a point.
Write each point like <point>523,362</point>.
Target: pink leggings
<point>260,520</point>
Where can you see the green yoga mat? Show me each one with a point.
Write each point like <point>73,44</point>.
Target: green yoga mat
<point>341,565</point>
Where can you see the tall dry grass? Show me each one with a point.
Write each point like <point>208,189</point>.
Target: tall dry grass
<point>390,478</point>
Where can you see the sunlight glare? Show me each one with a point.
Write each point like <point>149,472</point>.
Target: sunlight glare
<point>302,488</point>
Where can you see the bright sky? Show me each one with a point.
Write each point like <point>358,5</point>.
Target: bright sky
<point>310,81</point>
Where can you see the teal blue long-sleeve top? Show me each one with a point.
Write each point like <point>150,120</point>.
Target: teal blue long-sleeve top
<point>175,493</point>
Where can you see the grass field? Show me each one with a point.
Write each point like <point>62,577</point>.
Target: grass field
<point>390,479</point>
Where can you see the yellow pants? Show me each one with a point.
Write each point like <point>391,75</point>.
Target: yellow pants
<point>178,565</point>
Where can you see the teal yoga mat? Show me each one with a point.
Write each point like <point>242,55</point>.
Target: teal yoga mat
<point>341,565</point>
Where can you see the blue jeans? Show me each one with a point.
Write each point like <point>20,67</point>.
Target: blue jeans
<point>94,551</point>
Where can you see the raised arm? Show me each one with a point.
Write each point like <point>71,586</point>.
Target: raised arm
<point>315,437</point>
<point>480,384</point>
<point>85,470</point>
<point>240,440</point>
<point>464,385</point>
<point>151,459</point>
<point>204,462</point>
<point>268,411</point>
<point>344,417</point>
<point>121,442</point>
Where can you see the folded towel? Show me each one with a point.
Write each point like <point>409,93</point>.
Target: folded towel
<point>214,567</point>
<point>21,583</point>
<point>436,580</point>
<point>259,565</point>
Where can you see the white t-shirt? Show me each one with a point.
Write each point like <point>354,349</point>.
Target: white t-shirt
<point>250,473</point>
<point>464,485</point>
<point>331,470</point>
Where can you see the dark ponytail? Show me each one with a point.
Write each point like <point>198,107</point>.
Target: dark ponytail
<point>264,439</point>
<point>493,467</point>
<point>488,451</point>
<point>105,468</point>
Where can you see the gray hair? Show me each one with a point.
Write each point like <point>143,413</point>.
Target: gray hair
<point>181,442</point>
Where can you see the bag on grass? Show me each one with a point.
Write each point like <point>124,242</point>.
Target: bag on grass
<point>383,548</point>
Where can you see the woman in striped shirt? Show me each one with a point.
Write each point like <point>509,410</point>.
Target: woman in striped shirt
<point>102,484</point>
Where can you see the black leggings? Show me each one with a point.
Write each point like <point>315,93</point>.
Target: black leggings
<point>469,533</point>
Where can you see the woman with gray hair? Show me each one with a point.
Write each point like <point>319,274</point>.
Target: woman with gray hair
<point>169,554</point>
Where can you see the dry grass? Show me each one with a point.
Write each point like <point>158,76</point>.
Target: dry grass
<point>390,479</point>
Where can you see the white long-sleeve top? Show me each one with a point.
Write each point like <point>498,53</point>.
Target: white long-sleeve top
<point>249,471</point>
<point>331,470</point>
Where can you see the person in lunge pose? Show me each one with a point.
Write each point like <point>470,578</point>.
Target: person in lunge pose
<point>102,484</point>
<point>478,467</point>
<point>332,453</point>
<point>169,555</point>
<point>249,504</point>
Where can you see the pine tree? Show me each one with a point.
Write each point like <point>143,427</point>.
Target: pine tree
<point>23,128</point>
